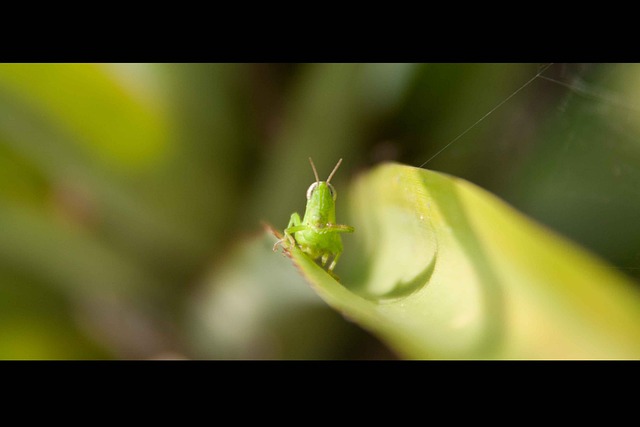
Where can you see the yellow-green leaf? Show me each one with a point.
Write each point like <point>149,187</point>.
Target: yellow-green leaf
<point>439,268</point>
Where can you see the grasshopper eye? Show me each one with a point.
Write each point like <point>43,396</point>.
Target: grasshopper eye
<point>332,191</point>
<point>310,190</point>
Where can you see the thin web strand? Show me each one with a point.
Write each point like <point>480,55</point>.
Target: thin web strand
<point>489,113</point>
<point>596,94</point>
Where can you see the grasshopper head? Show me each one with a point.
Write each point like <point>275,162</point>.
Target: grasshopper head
<point>322,186</point>
<point>321,198</point>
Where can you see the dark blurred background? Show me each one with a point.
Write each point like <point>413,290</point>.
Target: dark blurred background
<point>131,195</point>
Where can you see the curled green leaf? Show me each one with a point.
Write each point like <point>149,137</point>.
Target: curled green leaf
<point>439,268</point>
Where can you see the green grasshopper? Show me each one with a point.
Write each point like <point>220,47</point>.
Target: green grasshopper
<point>317,234</point>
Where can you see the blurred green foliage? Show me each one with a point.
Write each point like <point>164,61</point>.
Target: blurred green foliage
<point>131,195</point>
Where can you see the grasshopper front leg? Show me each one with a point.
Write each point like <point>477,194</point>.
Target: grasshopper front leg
<point>339,228</point>
<point>295,225</point>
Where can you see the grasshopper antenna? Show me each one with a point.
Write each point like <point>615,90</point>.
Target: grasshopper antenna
<point>334,171</point>
<point>315,172</point>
